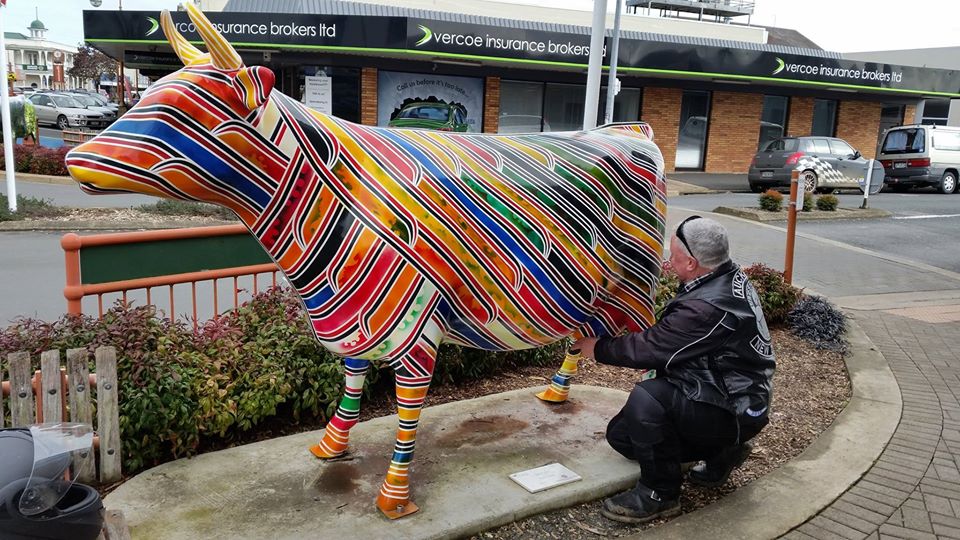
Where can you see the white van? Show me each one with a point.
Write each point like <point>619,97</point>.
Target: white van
<point>921,155</point>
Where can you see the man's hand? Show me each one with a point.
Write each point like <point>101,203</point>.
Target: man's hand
<point>586,346</point>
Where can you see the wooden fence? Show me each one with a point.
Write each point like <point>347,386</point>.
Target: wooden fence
<point>61,394</point>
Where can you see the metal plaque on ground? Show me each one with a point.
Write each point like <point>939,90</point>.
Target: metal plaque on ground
<point>546,477</point>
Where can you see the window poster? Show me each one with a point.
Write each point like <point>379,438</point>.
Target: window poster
<point>430,101</point>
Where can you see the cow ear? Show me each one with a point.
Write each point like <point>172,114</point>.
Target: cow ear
<point>254,85</point>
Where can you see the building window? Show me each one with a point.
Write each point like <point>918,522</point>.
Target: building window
<point>935,112</point>
<point>344,87</point>
<point>626,105</point>
<point>563,107</point>
<point>824,117</point>
<point>521,107</point>
<point>890,115</point>
<point>692,139</point>
<point>773,119</point>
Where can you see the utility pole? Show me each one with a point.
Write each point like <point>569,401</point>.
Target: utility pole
<point>121,90</point>
<point>592,100</point>
<point>613,84</point>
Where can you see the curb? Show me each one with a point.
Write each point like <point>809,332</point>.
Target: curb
<point>89,225</point>
<point>840,213</point>
<point>787,497</point>
<point>676,188</point>
<point>41,178</point>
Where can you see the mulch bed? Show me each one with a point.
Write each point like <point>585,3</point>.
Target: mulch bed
<point>811,387</point>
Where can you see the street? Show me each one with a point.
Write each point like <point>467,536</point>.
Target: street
<point>923,228</point>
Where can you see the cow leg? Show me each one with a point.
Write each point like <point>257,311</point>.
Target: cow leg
<point>334,441</point>
<point>559,387</point>
<point>413,381</point>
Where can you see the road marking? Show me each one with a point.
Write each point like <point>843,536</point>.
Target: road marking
<point>927,216</point>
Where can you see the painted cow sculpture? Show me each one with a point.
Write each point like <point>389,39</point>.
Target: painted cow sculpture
<point>398,240</point>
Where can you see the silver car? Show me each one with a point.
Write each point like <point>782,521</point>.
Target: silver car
<point>64,111</point>
<point>91,103</point>
<point>825,164</point>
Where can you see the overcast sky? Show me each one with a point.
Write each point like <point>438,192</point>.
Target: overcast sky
<point>837,25</point>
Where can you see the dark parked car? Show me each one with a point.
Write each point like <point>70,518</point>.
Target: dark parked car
<point>439,116</point>
<point>825,164</point>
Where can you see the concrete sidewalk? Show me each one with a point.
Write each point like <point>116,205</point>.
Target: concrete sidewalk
<point>460,478</point>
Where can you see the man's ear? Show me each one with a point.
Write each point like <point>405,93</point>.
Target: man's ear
<point>254,85</point>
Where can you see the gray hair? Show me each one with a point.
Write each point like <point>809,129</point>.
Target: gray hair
<point>708,242</point>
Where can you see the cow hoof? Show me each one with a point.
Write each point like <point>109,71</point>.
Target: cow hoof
<point>323,453</point>
<point>552,396</point>
<point>395,510</point>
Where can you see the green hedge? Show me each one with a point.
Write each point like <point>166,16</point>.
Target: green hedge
<point>35,159</point>
<point>180,390</point>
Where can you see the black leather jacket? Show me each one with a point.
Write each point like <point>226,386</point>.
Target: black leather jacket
<point>712,342</point>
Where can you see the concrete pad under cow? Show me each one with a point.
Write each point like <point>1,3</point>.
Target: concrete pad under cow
<point>460,479</point>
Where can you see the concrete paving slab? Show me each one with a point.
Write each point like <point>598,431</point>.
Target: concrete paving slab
<point>466,450</point>
<point>899,300</point>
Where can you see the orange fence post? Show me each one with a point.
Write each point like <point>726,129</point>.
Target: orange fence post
<point>73,291</point>
<point>791,227</point>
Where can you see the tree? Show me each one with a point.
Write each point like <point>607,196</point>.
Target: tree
<point>89,63</point>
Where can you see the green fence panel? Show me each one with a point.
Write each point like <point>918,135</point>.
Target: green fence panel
<point>104,264</point>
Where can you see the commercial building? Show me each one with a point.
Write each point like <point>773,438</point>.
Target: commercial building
<point>38,62</point>
<point>711,90</point>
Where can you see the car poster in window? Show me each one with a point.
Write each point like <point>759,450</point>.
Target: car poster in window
<point>430,101</point>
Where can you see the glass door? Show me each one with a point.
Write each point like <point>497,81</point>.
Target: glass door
<point>694,121</point>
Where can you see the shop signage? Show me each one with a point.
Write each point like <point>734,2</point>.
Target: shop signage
<point>142,59</point>
<point>497,42</point>
<point>318,93</point>
<point>444,39</point>
<point>275,30</point>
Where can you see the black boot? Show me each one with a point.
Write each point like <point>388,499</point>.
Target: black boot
<point>715,471</point>
<point>639,505</point>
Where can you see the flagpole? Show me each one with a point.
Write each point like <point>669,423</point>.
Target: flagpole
<point>7,131</point>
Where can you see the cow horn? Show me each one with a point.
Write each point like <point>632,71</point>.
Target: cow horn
<point>184,49</point>
<point>222,54</point>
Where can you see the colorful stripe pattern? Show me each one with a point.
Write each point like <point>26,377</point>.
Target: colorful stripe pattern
<point>398,240</point>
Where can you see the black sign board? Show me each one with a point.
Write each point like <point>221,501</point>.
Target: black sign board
<point>423,37</point>
<point>274,30</point>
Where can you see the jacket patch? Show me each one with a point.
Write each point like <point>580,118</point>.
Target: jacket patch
<point>739,281</point>
<point>762,347</point>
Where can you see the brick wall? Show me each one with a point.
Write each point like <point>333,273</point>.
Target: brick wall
<point>368,96</point>
<point>910,114</point>
<point>734,131</point>
<point>858,123</point>
<point>661,109</point>
<point>491,105</point>
<point>800,120</point>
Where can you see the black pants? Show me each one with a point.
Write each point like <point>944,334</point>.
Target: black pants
<point>660,429</point>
